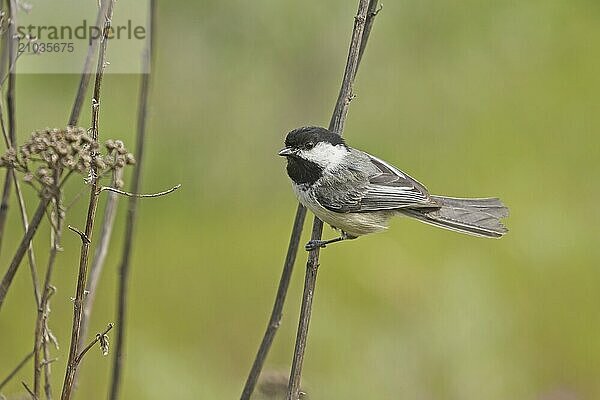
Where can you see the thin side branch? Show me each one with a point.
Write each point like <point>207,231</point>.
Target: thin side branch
<point>336,125</point>
<point>125,264</point>
<point>16,370</point>
<point>138,195</point>
<point>91,215</point>
<point>84,238</point>
<point>99,337</point>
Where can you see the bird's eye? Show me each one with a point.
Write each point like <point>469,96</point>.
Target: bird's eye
<point>309,145</point>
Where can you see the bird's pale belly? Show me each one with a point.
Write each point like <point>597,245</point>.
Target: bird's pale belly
<point>353,224</point>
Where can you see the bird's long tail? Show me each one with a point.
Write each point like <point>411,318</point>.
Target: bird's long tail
<point>477,217</point>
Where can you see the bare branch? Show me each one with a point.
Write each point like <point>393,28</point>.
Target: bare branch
<point>41,352</point>
<point>91,215</point>
<point>10,98</point>
<point>87,68</point>
<point>138,195</point>
<point>125,264</point>
<point>16,370</point>
<point>342,103</point>
<point>82,235</point>
<point>33,396</point>
<point>97,265</point>
<point>30,253</point>
<point>336,125</point>
<point>99,338</point>
<point>23,246</point>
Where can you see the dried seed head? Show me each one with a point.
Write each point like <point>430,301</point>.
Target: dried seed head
<point>49,153</point>
<point>130,159</point>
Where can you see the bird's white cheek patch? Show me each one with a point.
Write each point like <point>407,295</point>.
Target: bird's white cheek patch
<point>326,155</point>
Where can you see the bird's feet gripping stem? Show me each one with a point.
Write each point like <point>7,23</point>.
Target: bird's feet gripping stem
<point>315,244</point>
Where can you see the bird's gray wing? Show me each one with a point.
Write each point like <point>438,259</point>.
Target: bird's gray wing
<point>374,185</point>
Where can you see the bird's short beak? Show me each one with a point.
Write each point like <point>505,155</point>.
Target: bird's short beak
<point>286,151</point>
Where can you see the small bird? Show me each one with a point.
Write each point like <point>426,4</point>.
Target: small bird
<point>357,193</point>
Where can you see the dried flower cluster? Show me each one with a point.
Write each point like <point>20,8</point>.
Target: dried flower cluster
<point>50,153</point>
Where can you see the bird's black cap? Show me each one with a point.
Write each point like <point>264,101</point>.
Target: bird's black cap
<point>301,136</point>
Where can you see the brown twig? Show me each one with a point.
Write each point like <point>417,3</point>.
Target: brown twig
<point>139,195</point>
<point>336,125</point>
<point>372,12</point>
<point>97,265</point>
<point>124,267</point>
<point>22,208</point>
<point>16,370</point>
<point>40,348</point>
<point>10,96</point>
<point>87,69</point>
<point>84,238</point>
<point>288,265</point>
<point>33,396</point>
<point>30,253</point>
<point>91,215</point>
<point>23,246</point>
<point>99,338</point>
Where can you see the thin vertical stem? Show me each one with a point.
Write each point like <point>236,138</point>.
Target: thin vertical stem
<point>125,264</point>
<point>91,215</point>
<point>10,97</point>
<point>310,279</point>
<point>40,343</point>
<point>292,249</point>
<point>98,261</point>
<point>336,125</point>
<point>87,69</point>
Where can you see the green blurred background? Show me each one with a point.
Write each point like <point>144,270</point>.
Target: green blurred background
<point>472,98</point>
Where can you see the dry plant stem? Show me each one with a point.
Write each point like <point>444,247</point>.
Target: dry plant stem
<point>292,247</point>
<point>87,69</point>
<point>98,261</point>
<point>110,211</point>
<point>10,96</point>
<point>139,195</point>
<point>91,215</point>
<point>47,374</point>
<point>40,349</point>
<point>92,343</point>
<point>124,267</point>
<point>277,312</point>
<point>336,125</point>
<point>372,12</point>
<point>310,279</point>
<point>4,202</point>
<point>30,254</point>
<point>16,370</point>
<point>24,219</point>
<point>33,396</point>
<point>23,246</point>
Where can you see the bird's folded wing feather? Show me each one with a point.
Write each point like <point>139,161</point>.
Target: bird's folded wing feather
<point>385,188</point>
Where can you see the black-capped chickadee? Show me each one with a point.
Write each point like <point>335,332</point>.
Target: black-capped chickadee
<point>357,193</point>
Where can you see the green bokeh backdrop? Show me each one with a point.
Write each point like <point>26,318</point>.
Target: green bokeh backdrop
<point>473,98</point>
